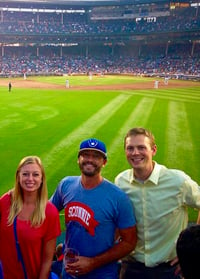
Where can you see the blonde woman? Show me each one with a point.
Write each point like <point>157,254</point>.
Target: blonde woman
<point>36,222</point>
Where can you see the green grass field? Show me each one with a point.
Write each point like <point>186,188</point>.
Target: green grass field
<point>51,123</point>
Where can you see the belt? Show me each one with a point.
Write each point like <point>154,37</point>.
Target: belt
<point>133,261</point>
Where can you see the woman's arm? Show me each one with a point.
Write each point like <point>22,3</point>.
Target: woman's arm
<point>47,257</point>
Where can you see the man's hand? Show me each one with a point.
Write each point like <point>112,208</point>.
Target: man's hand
<point>175,262</point>
<point>83,265</point>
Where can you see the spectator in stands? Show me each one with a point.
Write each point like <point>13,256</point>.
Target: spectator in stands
<point>188,252</point>
<point>160,197</point>
<point>57,265</point>
<point>29,224</point>
<point>94,209</point>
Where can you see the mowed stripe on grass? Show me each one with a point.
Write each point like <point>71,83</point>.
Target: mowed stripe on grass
<point>53,160</point>
<point>178,138</point>
<point>138,117</point>
<point>190,95</point>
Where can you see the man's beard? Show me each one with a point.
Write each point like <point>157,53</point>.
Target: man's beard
<point>89,173</point>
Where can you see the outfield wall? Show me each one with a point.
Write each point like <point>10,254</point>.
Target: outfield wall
<point>157,75</point>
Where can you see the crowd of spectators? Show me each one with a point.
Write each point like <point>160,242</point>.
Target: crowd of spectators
<point>104,64</point>
<point>53,24</point>
<point>143,26</point>
<point>145,62</point>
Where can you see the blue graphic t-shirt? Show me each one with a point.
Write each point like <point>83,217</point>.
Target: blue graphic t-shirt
<point>91,218</point>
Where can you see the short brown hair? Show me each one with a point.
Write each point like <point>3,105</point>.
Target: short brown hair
<point>140,131</point>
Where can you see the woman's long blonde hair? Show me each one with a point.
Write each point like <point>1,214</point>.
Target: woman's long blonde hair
<point>38,215</point>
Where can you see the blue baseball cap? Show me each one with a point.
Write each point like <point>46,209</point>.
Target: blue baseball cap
<point>93,144</point>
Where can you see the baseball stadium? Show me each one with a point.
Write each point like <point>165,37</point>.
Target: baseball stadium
<point>71,70</point>
<point>111,53</point>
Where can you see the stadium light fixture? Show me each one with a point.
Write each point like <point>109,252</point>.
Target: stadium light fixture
<point>42,10</point>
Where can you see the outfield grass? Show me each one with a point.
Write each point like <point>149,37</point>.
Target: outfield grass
<point>96,80</point>
<point>51,124</point>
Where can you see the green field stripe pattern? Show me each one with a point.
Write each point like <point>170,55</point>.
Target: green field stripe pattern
<point>179,140</point>
<point>87,129</point>
<point>172,95</point>
<point>138,117</point>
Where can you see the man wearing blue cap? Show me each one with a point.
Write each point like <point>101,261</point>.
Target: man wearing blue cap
<point>95,209</point>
